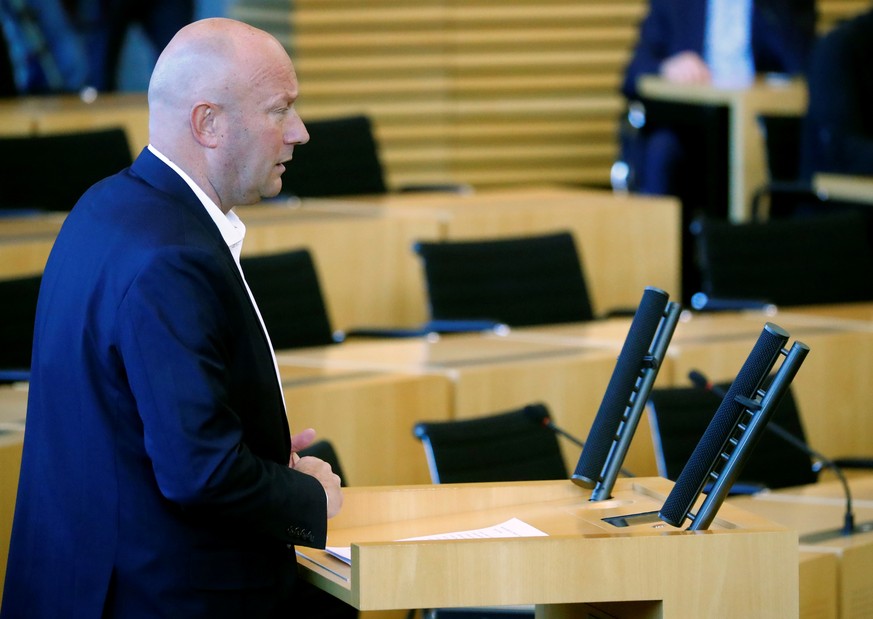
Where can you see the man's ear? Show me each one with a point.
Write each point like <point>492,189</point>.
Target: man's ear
<point>204,124</point>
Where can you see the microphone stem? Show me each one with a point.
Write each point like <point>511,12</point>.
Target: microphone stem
<point>849,518</point>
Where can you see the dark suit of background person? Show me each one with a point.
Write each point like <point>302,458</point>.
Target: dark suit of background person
<point>45,51</point>
<point>681,150</point>
<point>155,478</point>
<point>838,129</point>
<point>105,25</point>
<point>782,34</point>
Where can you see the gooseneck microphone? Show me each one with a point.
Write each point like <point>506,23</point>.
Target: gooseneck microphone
<point>698,379</point>
<point>733,431</point>
<point>547,422</point>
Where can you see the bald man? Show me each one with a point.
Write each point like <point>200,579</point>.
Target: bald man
<point>159,477</point>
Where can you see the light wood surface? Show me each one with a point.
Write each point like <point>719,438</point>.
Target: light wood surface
<point>365,264</point>
<point>747,162</point>
<point>13,410</point>
<point>363,248</point>
<point>25,243</point>
<point>844,187</point>
<point>65,113</point>
<point>368,417</point>
<point>744,566</point>
<point>625,242</point>
<point>802,510</point>
<point>832,388</point>
<point>492,374</point>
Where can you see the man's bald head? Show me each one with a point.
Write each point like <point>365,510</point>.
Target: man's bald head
<point>209,60</point>
<point>221,107</point>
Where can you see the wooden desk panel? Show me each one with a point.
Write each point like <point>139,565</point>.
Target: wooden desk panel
<point>833,387</point>
<point>666,572</point>
<point>493,374</point>
<point>626,242</point>
<point>65,113</point>
<point>13,410</point>
<point>854,553</point>
<point>25,243</point>
<point>368,416</point>
<point>845,187</point>
<point>368,273</point>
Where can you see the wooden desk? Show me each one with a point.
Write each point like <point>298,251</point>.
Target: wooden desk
<point>13,409</point>
<point>857,316</point>
<point>492,374</point>
<point>742,567</point>
<point>801,510</point>
<point>626,242</point>
<point>747,160</point>
<point>363,247</point>
<point>368,273</point>
<point>25,243</point>
<point>844,187</point>
<point>832,388</point>
<point>368,417</point>
<point>65,113</point>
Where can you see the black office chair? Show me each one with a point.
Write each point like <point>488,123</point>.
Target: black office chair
<point>514,445</point>
<point>324,450</point>
<point>678,417</point>
<point>796,261</point>
<point>309,600</point>
<point>52,171</point>
<point>288,293</point>
<point>529,280</point>
<point>341,158</point>
<point>786,193</point>
<point>18,298</point>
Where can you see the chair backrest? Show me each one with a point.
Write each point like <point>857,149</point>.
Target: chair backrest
<point>514,445</point>
<point>797,261</point>
<point>679,416</point>
<point>782,145</point>
<point>324,450</point>
<point>51,172</point>
<point>517,281</point>
<point>287,290</point>
<point>341,158</point>
<point>17,315</point>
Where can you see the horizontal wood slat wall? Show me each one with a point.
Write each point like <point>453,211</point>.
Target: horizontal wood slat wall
<point>486,92</point>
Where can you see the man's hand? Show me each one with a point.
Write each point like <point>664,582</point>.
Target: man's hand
<point>686,68</point>
<point>317,468</point>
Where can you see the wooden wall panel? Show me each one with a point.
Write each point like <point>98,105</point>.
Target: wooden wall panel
<point>485,92</point>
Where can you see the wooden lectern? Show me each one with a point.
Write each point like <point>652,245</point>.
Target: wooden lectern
<point>743,566</point>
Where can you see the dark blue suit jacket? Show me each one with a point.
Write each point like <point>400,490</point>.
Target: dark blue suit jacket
<point>155,479</point>
<point>782,34</point>
<point>839,128</point>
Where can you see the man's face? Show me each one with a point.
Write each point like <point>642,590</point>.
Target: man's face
<point>260,134</point>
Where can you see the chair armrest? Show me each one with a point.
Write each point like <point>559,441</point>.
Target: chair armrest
<point>854,462</point>
<point>702,302</point>
<point>14,375</point>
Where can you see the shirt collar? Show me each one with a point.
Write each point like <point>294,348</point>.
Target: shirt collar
<point>230,226</point>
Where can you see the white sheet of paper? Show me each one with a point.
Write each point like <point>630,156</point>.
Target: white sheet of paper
<point>510,528</point>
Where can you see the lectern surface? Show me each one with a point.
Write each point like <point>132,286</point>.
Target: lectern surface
<point>744,566</point>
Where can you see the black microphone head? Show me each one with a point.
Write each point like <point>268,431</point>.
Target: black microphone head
<point>698,379</point>
<point>538,413</point>
<point>618,392</point>
<point>694,475</point>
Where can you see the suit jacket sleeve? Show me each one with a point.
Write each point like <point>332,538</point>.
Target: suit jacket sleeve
<point>184,346</point>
